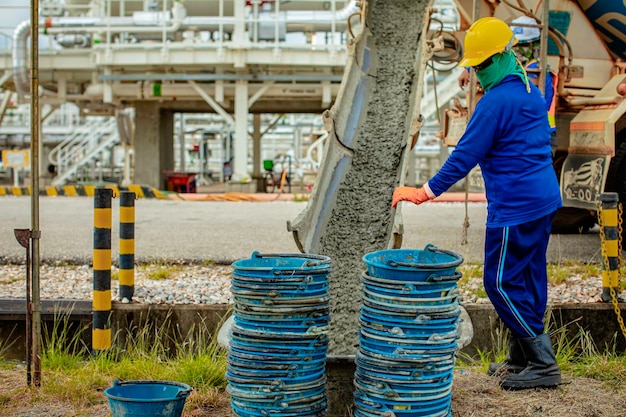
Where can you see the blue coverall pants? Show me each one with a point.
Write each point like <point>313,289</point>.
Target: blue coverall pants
<point>515,275</point>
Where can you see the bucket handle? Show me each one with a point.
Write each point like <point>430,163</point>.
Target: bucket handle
<point>323,259</point>
<point>432,248</point>
<point>435,278</point>
<point>298,271</point>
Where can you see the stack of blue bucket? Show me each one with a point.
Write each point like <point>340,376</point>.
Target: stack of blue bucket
<point>279,339</point>
<point>408,332</point>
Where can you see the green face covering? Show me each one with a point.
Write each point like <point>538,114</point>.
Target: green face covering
<point>503,64</point>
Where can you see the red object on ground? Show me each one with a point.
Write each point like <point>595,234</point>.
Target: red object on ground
<point>180,182</point>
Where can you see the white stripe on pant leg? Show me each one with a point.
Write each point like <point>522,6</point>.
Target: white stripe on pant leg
<point>505,297</point>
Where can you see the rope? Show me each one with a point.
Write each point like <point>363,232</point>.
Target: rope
<point>466,219</point>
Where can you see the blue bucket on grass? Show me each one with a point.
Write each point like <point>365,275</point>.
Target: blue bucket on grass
<point>147,398</point>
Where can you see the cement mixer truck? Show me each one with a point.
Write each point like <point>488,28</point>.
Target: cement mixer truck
<point>585,45</point>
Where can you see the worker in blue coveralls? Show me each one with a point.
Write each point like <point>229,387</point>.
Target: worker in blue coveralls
<point>527,51</point>
<point>508,135</point>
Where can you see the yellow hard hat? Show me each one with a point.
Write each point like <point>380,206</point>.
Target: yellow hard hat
<point>486,37</point>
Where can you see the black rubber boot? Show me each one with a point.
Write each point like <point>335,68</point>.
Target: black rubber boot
<point>514,363</point>
<point>542,369</point>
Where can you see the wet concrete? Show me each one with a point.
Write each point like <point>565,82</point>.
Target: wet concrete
<point>361,218</point>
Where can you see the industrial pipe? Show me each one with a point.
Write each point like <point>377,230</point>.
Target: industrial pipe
<point>292,21</point>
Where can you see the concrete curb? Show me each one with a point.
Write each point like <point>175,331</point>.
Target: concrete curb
<point>598,319</point>
<point>141,191</point>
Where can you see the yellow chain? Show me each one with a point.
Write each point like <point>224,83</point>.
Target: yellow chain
<point>605,257</point>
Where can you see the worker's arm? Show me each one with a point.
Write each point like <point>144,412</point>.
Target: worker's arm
<point>472,148</point>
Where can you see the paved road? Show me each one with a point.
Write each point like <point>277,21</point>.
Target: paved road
<point>227,231</point>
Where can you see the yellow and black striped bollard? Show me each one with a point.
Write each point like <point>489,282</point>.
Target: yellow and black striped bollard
<point>127,245</point>
<point>610,244</point>
<point>102,220</point>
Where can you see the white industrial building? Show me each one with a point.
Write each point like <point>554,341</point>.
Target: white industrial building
<point>130,89</point>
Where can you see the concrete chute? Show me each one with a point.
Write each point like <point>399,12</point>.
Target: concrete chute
<point>370,125</point>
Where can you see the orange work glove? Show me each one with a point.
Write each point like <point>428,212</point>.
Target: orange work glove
<point>412,194</point>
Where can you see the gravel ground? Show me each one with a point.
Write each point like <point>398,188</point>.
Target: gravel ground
<point>210,284</point>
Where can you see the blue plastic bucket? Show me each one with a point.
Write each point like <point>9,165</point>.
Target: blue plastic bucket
<point>443,307</point>
<point>406,332</point>
<point>294,347</point>
<point>314,409</point>
<point>147,398</point>
<point>284,289</point>
<point>278,346</point>
<point>383,344</point>
<point>402,388</point>
<point>313,279</point>
<point>271,265</point>
<point>422,374</point>
<point>276,300</point>
<point>441,282</point>
<point>412,264</point>
<point>405,301</point>
<point>432,319</point>
<point>369,403</point>
<point>279,386</point>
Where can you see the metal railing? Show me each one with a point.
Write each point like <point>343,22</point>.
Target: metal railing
<point>121,24</point>
<point>82,146</point>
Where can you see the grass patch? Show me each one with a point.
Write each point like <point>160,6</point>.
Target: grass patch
<point>470,271</point>
<point>558,273</point>
<point>574,348</point>
<point>6,344</point>
<point>160,272</point>
<point>151,350</point>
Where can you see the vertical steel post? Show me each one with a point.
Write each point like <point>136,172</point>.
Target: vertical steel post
<point>34,178</point>
<point>127,245</point>
<point>102,220</point>
<point>610,244</point>
<point>23,237</point>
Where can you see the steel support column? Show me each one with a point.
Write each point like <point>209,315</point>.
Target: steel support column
<point>256,152</point>
<point>240,157</point>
